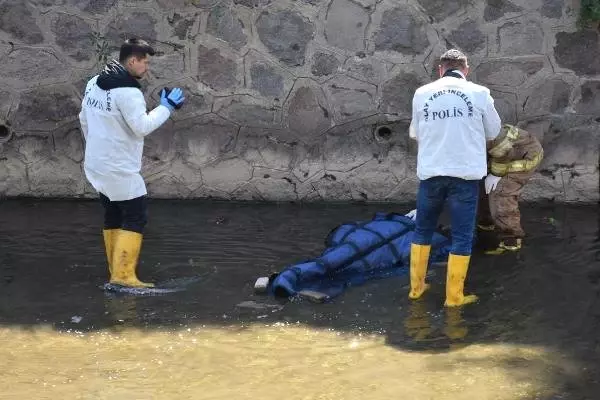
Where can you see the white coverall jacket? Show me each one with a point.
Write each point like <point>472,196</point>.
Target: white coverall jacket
<point>114,121</point>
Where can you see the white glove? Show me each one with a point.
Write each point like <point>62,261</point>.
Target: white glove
<point>412,214</point>
<point>491,181</point>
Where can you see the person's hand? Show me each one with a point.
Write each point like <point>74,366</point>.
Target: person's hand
<point>172,99</point>
<point>491,181</point>
<point>412,214</point>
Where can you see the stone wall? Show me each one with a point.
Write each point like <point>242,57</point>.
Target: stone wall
<point>293,99</point>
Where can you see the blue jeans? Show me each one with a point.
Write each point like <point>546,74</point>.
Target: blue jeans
<point>461,196</point>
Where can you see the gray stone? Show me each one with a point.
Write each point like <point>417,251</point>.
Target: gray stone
<point>74,35</point>
<point>68,141</point>
<point>136,24</point>
<point>31,66</point>
<point>562,144</point>
<point>401,31</point>
<point>17,19</point>
<point>308,112</point>
<point>351,98</point>
<point>267,148</point>
<point>203,3</point>
<point>468,37</point>
<point>398,93</point>
<point>178,180</point>
<point>347,148</point>
<point>45,108</point>
<point>346,24</point>
<point>286,35</point>
<point>182,26</point>
<point>227,175</point>
<point>366,68</point>
<point>552,8</point>
<point>266,80</point>
<point>442,9</point>
<point>204,139</point>
<point>496,9</point>
<point>224,24</point>
<point>168,66</point>
<point>520,38</point>
<point>246,111</point>
<point>277,185</point>
<point>547,97</point>
<point>506,105</point>
<point>324,64</point>
<point>247,192</point>
<point>507,72</point>
<point>253,3</point>
<point>6,101</point>
<point>215,70</point>
<point>579,51</point>
<point>13,176</point>
<point>590,98</point>
<point>94,6</point>
<point>197,102</point>
<point>55,176</point>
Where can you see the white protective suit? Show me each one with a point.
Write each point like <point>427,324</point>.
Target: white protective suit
<point>114,121</point>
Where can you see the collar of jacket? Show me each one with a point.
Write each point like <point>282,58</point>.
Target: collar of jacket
<point>114,75</point>
<point>454,73</point>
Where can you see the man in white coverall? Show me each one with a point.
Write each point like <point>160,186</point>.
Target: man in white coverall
<point>114,121</point>
<point>453,120</point>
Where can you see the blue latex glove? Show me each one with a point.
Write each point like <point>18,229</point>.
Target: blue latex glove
<point>172,99</point>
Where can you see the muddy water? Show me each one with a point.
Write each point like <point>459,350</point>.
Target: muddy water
<point>533,335</point>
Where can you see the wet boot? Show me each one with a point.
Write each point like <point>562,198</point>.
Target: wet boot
<point>419,258</point>
<point>125,259</point>
<point>508,244</point>
<point>455,281</point>
<point>109,243</point>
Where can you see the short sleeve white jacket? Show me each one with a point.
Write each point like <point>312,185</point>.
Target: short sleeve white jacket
<point>451,120</point>
<point>114,123</point>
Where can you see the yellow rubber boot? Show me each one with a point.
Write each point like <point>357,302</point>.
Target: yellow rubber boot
<point>125,259</point>
<point>455,281</point>
<point>110,236</point>
<point>419,257</point>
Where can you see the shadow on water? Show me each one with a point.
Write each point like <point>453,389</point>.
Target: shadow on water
<point>548,296</point>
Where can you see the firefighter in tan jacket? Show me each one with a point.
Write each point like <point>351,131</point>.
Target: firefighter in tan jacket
<point>512,159</point>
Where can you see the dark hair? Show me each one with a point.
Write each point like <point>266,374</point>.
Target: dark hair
<point>453,59</point>
<point>137,48</point>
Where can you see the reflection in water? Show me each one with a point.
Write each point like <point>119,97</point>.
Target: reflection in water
<point>533,334</point>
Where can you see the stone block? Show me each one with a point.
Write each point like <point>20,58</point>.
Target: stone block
<point>590,98</point>
<point>224,24</point>
<point>496,9</point>
<point>285,34</point>
<point>17,19</point>
<point>227,175</point>
<point>94,6</point>
<point>273,184</point>
<point>46,108</point>
<point>216,70</point>
<point>366,68</point>
<point>138,24</point>
<point>548,96</point>
<point>28,66</point>
<point>324,64</point>
<point>252,3</point>
<point>351,99</point>
<point>508,72</point>
<point>182,26</point>
<point>552,8</point>
<point>197,101</point>
<point>74,35</point>
<point>402,31</point>
<point>55,176</point>
<point>178,181</point>
<point>168,66</point>
<point>308,112</point>
<point>397,92</point>
<point>204,139</point>
<point>266,79</point>
<point>266,148</point>
<point>578,51</point>
<point>248,111</point>
<point>68,141</point>
<point>442,9</point>
<point>468,37</point>
<point>345,25</point>
<point>520,38</point>
<point>570,143</point>
<point>347,148</point>
<point>506,105</point>
<point>13,175</point>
